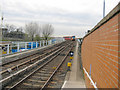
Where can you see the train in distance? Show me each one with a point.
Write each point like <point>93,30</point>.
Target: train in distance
<point>69,38</point>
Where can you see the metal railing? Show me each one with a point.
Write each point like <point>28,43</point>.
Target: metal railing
<point>91,81</point>
<point>15,47</point>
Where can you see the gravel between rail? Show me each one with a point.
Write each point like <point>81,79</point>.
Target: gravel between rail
<point>31,68</point>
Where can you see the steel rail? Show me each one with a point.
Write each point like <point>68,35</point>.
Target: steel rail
<point>1,81</point>
<point>49,79</point>
<point>23,63</point>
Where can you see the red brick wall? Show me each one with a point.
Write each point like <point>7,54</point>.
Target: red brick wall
<point>119,49</point>
<point>100,49</point>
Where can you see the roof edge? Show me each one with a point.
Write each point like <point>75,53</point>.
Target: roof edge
<point>111,14</point>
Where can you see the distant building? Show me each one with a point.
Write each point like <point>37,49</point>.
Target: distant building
<point>4,30</point>
<point>18,34</point>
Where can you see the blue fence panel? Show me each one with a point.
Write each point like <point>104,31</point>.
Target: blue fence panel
<point>34,44</point>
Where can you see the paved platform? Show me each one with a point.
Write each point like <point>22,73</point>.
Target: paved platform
<point>74,78</point>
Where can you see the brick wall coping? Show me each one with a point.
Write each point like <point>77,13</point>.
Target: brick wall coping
<point>111,14</point>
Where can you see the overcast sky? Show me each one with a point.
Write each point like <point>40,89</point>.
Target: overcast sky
<point>68,17</point>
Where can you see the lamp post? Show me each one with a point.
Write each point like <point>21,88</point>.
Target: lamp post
<point>1,26</point>
<point>104,9</point>
<point>1,40</point>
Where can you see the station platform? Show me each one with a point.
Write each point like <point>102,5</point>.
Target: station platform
<point>18,55</point>
<point>74,78</point>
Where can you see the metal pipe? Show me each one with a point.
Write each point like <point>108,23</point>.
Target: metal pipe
<point>94,85</point>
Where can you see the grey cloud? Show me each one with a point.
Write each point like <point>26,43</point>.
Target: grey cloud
<point>70,23</point>
<point>27,12</point>
<point>82,18</point>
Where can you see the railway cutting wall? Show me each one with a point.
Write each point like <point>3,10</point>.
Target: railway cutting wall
<point>101,51</point>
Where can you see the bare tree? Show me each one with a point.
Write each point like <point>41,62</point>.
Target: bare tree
<point>47,31</point>
<point>38,32</point>
<point>20,29</point>
<point>31,29</point>
<point>10,27</point>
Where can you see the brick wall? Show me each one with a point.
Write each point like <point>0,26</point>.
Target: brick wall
<point>119,51</point>
<point>100,49</point>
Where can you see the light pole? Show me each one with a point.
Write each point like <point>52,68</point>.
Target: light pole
<point>104,9</point>
<point>1,41</point>
<point>1,26</point>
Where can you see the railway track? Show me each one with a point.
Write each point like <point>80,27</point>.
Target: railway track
<point>29,68</point>
<point>57,77</point>
<point>12,67</point>
<point>23,63</point>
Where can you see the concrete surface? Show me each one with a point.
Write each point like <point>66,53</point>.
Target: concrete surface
<point>74,78</point>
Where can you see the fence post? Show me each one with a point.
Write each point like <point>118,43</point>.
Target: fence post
<point>43,43</point>
<point>25,45</point>
<point>46,42</point>
<point>31,45</point>
<point>18,47</point>
<point>50,41</point>
<point>36,44</point>
<point>40,43</point>
<point>8,49</point>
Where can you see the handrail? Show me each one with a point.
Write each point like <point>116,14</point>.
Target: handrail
<point>94,85</point>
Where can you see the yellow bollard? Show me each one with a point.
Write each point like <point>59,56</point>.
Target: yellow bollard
<point>69,65</point>
<point>71,57</point>
<point>54,67</point>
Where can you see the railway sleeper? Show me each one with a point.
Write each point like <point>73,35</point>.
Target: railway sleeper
<point>41,74</point>
<point>54,85</point>
<point>50,86</point>
<point>45,72</point>
<point>40,78</point>
<point>33,80</point>
<point>31,85</point>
